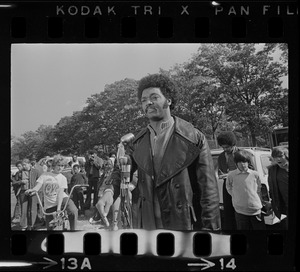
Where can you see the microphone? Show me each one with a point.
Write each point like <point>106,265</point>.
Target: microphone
<point>127,138</point>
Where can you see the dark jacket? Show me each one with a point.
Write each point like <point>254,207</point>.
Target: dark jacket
<point>33,176</point>
<point>186,185</point>
<point>97,165</point>
<point>279,206</point>
<point>16,181</point>
<point>67,172</point>
<point>222,163</point>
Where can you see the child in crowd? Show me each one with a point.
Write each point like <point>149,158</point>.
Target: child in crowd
<point>53,185</point>
<point>244,186</point>
<point>77,195</point>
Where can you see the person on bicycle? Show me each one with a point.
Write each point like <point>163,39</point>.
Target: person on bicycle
<point>53,185</point>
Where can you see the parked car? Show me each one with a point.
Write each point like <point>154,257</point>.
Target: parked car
<point>261,160</point>
<point>80,159</point>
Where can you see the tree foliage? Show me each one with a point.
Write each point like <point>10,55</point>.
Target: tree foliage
<point>238,82</point>
<point>223,86</point>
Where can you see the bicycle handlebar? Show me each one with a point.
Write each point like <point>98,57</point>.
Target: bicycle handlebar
<point>65,206</point>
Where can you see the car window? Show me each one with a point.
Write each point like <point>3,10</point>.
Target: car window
<point>265,162</point>
<point>253,162</point>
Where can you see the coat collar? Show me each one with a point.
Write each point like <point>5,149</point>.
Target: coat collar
<point>181,151</point>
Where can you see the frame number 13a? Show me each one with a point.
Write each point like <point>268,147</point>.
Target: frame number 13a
<point>75,264</point>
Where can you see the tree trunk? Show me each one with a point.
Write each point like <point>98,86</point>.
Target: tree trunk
<point>253,138</point>
<point>215,138</point>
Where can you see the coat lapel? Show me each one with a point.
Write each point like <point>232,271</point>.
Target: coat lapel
<point>179,154</point>
<point>142,155</point>
<point>181,151</point>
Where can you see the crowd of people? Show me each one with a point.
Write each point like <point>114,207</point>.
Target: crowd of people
<point>52,179</point>
<point>243,201</point>
<point>173,181</point>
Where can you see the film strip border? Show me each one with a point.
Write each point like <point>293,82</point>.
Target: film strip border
<point>140,242</point>
<point>149,250</point>
<point>158,22</point>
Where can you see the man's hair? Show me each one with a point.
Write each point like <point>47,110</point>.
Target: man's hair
<point>56,160</point>
<point>18,162</point>
<point>26,161</point>
<point>165,84</point>
<point>226,138</point>
<point>76,165</point>
<point>92,152</point>
<point>279,151</point>
<point>242,156</point>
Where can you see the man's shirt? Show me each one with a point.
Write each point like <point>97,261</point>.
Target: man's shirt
<point>159,140</point>
<point>51,183</point>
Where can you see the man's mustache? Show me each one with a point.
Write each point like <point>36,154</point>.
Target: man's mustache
<point>151,107</point>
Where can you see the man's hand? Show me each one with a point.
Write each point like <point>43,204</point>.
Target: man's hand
<point>29,192</point>
<point>105,203</point>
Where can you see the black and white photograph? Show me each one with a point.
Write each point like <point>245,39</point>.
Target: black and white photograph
<point>169,136</point>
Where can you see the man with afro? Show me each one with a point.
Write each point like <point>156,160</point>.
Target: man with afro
<point>177,188</point>
<point>227,141</point>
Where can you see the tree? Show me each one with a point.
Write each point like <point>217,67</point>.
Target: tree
<point>239,78</point>
<point>112,113</point>
<point>222,87</point>
<point>31,144</point>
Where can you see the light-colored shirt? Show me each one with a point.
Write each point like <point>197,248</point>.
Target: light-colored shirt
<point>245,187</point>
<point>159,139</point>
<point>51,184</point>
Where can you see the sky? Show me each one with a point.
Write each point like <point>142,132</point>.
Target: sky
<point>51,81</point>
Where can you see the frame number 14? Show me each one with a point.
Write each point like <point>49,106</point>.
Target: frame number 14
<point>230,264</point>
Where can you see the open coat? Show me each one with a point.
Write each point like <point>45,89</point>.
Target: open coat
<point>186,185</point>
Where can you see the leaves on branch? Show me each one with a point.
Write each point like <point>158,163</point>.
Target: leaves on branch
<point>222,87</point>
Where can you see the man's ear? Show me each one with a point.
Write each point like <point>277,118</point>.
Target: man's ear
<point>169,101</point>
